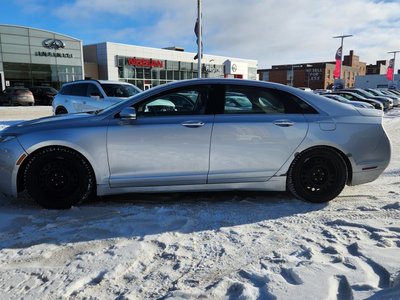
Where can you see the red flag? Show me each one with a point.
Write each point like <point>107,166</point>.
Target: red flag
<point>390,70</point>
<point>338,57</point>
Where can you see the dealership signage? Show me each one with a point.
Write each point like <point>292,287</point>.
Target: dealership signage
<point>315,74</point>
<point>55,44</point>
<point>145,62</point>
<point>53,54</point>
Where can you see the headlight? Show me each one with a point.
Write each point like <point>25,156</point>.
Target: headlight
<point>5,138</point>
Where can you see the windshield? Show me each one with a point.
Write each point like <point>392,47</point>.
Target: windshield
<point>365,93</point>
<point>119,90</point>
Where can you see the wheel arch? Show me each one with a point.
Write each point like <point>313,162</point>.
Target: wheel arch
<point>338,151</point>
<point>60,110</point>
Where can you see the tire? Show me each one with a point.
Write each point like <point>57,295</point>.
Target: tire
<point>317,175</point>
<point>58,178</point>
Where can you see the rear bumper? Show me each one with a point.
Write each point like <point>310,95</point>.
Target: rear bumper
<point>367,171</point>
<point>366,176</point>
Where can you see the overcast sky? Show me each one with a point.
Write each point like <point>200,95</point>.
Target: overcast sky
<point>270,31</point>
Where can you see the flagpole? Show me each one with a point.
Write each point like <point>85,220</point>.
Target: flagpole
<point>342,37</point>
<point>199,50</point>
<point>394,61</point>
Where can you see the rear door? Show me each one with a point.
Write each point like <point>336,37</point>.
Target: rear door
<point>75,97</point>
<point>256,132</point>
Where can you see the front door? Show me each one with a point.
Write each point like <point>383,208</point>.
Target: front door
<point>167,144</point>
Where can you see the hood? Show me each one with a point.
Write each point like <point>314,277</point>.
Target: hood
<point>51,122</point>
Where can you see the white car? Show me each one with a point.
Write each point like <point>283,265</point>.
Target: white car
<point>91,95</point>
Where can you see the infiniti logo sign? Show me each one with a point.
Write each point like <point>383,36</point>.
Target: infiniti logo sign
<point>53,44</point>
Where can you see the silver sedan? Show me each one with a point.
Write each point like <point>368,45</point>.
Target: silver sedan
<point>197,135</point>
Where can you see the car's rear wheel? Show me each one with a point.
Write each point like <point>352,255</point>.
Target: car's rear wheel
<point>58,178</point>
<point>317,175</point>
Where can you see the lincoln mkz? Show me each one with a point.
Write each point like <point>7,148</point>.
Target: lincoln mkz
<point>197,135</point>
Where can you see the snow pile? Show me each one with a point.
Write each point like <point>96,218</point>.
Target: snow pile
<point>209,245</point>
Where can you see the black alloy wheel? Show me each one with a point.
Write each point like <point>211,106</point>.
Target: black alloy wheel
<point>58,178</point>
<point>317,175</point>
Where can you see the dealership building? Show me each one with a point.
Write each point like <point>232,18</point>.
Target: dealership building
<point>146,67</point>
<point>34,57</point>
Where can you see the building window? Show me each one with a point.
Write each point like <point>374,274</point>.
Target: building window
<point>153,72</point>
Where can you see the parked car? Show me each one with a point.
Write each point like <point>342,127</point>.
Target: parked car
<point>91,95</point>
<point>386,101</point>
<point>394,91</point>
<point>289,140</point>
<point>16,96</point>
<point>339,98</point>
<point>395,97</point>
<point>43,95</point>
<point>376,92</point>
<point>355,97</point>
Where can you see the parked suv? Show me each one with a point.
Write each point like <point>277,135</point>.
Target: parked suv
<point>16,96</point>
<point>91,95</point>
<point>43,95</point>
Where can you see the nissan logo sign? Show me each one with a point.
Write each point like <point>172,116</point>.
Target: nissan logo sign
<point>234,68</point>
<point>53,44</point>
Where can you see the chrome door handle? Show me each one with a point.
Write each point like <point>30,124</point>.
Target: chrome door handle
<point>193,124</point>
<point>283,123</point>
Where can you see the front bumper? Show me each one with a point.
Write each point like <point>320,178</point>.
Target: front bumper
<point>10,152</point>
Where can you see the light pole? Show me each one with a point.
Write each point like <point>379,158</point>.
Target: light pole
<point>291,76</point>
<point>308,74</point>
<point>394,59</point>
<point>292,70</point>
<point>199,47</point>
<point>342,37</point>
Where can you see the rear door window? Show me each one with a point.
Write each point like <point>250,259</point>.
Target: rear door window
<point>259,100</point>
<point>75,89</point>
<point>93,90</point>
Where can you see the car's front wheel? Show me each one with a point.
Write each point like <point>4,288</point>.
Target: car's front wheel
<point>317,175</point>
<point>57,178</point>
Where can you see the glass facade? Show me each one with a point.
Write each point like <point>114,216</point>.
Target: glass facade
<point>31,57</point>
<point>146,73</point>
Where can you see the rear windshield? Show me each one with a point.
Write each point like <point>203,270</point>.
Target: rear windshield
<point>119,90</point>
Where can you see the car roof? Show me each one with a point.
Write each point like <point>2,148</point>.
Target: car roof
<point>98,81</point>
<point>323,105</point>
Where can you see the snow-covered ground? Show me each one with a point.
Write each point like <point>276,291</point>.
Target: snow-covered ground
<point>207,245</point>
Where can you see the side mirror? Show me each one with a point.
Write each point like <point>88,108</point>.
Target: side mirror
<point>128,113</point>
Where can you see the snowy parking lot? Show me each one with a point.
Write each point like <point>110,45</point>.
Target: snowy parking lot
<point>206,245</point>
